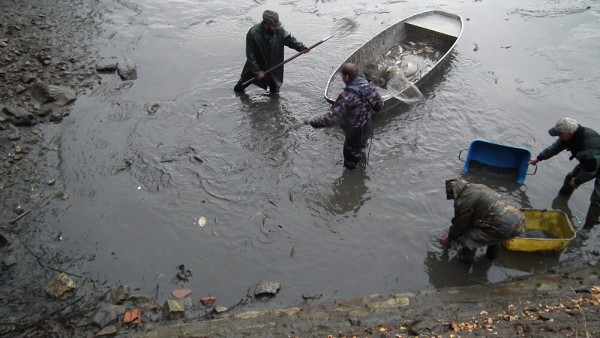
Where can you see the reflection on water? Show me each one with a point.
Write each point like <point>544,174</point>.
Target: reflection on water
<point>446,270</point>
<point>348,192</point>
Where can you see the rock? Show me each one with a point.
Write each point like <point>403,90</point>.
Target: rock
<point>110,330</point>
<point>266,289</point>
<point>18,116</point>
<point>9,261</point>
<point>50,93</point>
<point>127,70</point>
<point>28,78</point>
<point>390,303</point>
<point>105,315</point>
<point>173,309</point>
<point>117,295</point>
<point>61,287</point>
<point>307,296</point>
<point>143,302</point>
<point>56,116</point>
<point>106,66</point>
<point>219,309</point>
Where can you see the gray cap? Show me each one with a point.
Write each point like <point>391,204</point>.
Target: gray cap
<point>564,125</point>
<point>272,18</point>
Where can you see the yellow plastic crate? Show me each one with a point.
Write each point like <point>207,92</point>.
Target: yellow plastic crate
<point>555,222</point>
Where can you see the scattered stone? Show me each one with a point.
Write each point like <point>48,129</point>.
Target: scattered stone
<point>127,70</point>
<point>390,303</point>
<point>105,315</point>
<point>3,240</point>
<point>28,78</point>
<point>56,117</point>
<point>268,289</point>
<point>18,116</point>
<point>44,112</point>
<point>143,301</point>
<point>49,93</point>
<point>173,308</point>
<point>61,287</point>
<point>110,330</point>
<point>117,295</point>
<point>307,296</point>
<point>9,261</point>
<point>106,66</point>
<point>219,309</point>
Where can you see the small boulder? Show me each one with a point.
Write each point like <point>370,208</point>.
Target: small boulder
<point>117,295</point>
<point>49,93</point>
<point>173,309</point>
<point>266,289</point>
<point>18,116</point>
<point>61,287</point>
<point>127,70</point>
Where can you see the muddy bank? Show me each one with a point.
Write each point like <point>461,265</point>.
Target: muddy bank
<point>46,62</point>
<point>549,305</point>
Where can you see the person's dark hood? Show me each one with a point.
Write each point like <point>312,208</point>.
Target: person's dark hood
<point>359,86</point>
<point>455,187</point>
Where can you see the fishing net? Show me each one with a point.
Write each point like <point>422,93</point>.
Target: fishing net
<point>404,90</point>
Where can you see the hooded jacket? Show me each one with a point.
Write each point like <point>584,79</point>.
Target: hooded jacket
<point>264,51</point>
<point>585,147</point>
<point>353,108</point>
<point>482,216</point>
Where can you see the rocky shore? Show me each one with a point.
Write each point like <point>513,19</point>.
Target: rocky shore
<point>47,60</point>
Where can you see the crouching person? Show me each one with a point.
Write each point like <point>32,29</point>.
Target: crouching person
<point>482,217</point>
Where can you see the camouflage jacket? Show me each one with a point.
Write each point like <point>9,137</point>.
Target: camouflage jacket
<point>483,217</point>
<point>264,51</point>
<point>585,147</point>
<point>353,108</point>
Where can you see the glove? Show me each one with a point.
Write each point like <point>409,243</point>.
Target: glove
<point>305,50</point>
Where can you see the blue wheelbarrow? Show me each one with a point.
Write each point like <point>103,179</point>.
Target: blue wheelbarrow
<point>502,156</point>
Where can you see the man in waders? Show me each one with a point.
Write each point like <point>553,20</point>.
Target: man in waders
<point>584,145</point>
<point>482,217</point>
<point>264,49</point>
<point>353,111</point>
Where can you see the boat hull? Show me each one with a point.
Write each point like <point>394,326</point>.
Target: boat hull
<point>436,29</point>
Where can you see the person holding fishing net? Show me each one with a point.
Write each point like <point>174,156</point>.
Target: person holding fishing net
<point>353,111</point>
<point>264,51</point>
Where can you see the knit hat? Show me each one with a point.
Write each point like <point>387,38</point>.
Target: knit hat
<point>271,18</point>
<point>564,125</point>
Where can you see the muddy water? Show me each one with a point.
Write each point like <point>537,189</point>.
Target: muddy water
<point>144,160</point>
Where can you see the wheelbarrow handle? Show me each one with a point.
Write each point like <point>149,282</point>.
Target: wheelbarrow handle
<point>534,171</point>
<point>460,153</point>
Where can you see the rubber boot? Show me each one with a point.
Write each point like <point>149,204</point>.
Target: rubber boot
<point>591,218</point>
<point>467,255</point>
<point>492,251</point>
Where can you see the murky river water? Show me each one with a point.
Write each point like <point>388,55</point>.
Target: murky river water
<point>278,204</point>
